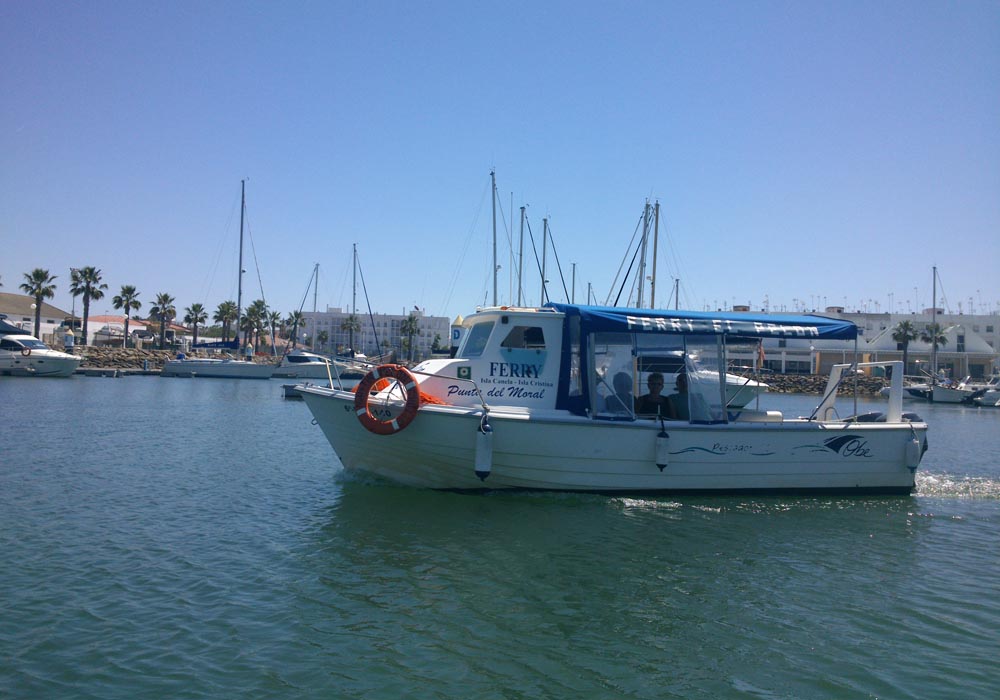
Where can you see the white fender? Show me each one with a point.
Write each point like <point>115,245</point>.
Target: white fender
<point>484,450</point>
<point>913,454</point>
<point>662,449</point>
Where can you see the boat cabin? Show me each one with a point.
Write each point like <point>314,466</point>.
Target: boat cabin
<point>598,361</point>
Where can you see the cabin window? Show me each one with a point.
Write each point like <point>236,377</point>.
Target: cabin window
<point>524,338</point>
<point>575,377</point>
<point>475,341</point>
<point>614,377</point>
<point>706,395</point>
<point>9,345</point>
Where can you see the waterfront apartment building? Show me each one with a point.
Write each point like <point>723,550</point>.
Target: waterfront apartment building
<point>380,333</point>
<point>972,346</point>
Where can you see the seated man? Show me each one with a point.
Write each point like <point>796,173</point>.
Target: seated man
<point>622,400</point>
<point>653,403</point>
<point>677,403</point>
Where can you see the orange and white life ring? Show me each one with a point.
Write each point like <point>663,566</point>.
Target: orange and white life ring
<point>394,425</point>
<point>26,351</point>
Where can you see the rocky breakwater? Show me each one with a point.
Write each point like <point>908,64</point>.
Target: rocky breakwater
<point>122,358</point>
<point>130,358</point>
<point>816,384</point>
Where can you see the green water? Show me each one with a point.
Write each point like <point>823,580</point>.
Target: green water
<point>177,538</point>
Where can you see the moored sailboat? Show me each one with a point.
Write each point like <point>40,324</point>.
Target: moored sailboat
<point>225,367</point>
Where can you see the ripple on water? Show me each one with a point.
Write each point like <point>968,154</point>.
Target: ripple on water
<point>169,560</point>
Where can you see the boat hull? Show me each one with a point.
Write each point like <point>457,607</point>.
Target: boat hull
<point>562,452</point>
<point>216,369</point>
<point>39,364</point>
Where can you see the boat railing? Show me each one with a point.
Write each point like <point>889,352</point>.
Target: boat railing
<point>826,410</point>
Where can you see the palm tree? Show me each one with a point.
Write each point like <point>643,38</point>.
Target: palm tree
<point>322,337</point>
<point>195,315</point>
<point>254,321</point>
<point>410,327</point>
<point>934,335</point>
<point>225,314</point>
<point>87,282</point>
<point>351,324</point>
<point>274,323</point>
<point>127,299</point>
<point>903,333</point>
<point>163,309</point>
<point>295,319</point>
<point>38,284</point>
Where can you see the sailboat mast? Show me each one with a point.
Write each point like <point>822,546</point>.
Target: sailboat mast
<point>520,260</point>
<point>545,243</point>
<point>315,294</point>
<point>656,240</point>
<point>239,277</point>
<point>642,256</point>
<point>493,181</point>
<point>354,284</point>
<point>934,326</point>
<point>315,285</point>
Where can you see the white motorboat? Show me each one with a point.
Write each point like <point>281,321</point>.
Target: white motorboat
<point>217,368</point>
<point>944,390</point>
<point>988,399</point>
<point>988,394</point>
<point>302,364</point>
<point>524,405</point>
<point>23,355</point>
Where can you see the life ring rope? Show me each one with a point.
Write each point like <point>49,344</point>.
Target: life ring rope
<point>368,384</point>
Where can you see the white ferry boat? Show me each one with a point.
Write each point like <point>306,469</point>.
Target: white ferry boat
<point>535,399</point>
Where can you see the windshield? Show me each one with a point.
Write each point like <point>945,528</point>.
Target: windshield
<point>475,341</point>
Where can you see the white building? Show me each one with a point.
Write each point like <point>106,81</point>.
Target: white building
<point>380,333</point>
<point>19,309</point>
<point>972,346</point>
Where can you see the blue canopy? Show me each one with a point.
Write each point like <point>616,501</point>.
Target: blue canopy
<point>9,329</point>
<point>738,325</point>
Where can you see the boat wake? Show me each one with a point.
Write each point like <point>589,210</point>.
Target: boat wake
<point>957,486</point>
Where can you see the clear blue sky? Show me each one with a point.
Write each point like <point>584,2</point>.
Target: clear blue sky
<point>802,152</point>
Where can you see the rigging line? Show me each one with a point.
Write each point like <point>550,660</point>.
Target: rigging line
<point>627,275</point>
<point>517,266</point>
<point>305,296</point>
<point>562,277</point>
<point>450,288</point>
<point>260,280</point>
<point>210,281</point>
<point>614,282</point>
<point>538,263</point>
<point>368,303</point>
<point>944,297</point>
<point>679,265</point>
<point>508,228</point>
